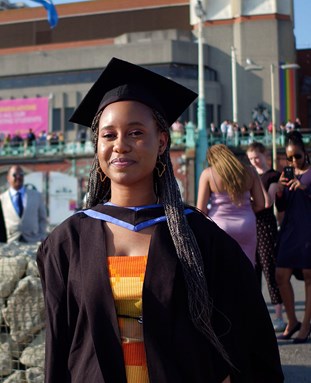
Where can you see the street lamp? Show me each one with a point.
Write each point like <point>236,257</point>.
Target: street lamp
<point>234,86</point>
<point>202,142</point>
<point>252,66</point>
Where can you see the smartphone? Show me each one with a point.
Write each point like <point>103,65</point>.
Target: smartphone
<point>289,172</point>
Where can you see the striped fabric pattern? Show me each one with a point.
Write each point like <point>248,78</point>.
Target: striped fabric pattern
<point>127,277</point>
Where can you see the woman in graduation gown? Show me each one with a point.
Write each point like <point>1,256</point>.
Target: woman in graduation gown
<point>139,287</point>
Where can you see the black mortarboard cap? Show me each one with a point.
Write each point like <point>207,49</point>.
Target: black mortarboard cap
<point>122,81</point>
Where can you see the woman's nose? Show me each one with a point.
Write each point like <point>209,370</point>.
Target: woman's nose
<point>121,145</point>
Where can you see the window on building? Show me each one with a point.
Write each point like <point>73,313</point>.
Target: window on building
<point>184,71</point>
<point>69,126</point>
<point>56,122</point>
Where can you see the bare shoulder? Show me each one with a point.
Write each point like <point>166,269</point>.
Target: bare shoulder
<point>206,174</point>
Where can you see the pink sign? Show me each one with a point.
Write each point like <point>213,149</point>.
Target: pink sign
<point>20,115</point>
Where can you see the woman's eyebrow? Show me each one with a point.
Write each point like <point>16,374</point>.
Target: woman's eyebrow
<point>132,123</point>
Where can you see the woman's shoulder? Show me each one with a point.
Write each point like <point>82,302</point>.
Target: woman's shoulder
<point>69,227</point>
<point>206,173</point>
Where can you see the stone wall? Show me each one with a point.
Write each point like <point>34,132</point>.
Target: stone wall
<point>21,315</point>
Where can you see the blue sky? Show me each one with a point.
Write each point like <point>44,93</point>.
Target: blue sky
<point>302,15</point>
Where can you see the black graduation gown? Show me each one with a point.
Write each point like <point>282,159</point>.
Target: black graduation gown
<point>82,336</point>
<point>3,237</point>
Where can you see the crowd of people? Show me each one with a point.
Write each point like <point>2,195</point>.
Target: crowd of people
<point>232,133</point>
<point>30,143</point>
<point>229,131</point>
<point>242,205</point>
<point>29,140</point>
<point>240,202</point>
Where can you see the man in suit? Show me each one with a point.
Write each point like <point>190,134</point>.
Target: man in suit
<point>23,210</point>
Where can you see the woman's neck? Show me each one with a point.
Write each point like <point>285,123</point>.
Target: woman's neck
<point>133,197</point>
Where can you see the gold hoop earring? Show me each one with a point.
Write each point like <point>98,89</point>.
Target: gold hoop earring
<point>161,167</point>
<point>100,172</point>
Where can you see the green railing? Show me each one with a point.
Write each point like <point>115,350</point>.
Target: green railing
<point>239,140</point>
<point>236,140</point>
<point>179,140</point>
<point>42,150</point>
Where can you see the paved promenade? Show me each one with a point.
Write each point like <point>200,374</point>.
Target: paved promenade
<point>296,358</point>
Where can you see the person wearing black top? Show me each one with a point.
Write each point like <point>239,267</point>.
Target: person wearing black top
<point>267,229</point>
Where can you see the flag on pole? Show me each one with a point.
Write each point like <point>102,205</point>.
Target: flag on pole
<point>51,10</point>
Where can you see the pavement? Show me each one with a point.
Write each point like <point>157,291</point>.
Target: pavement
<point>295,358</point>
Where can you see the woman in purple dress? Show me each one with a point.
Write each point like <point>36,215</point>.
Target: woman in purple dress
<point>235,193</point>
<point>294,245</point>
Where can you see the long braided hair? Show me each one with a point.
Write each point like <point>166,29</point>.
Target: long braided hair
<point>187,249</point>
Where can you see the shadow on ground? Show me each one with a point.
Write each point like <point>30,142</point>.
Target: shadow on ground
<point>297,374</point>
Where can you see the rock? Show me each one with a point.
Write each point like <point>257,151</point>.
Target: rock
<point>16,377</point>
<point>1,307</point>
<point>6,362</point>
<point>11,270</point>
<point>32,268</point>
<point>35,375</point>
<point>33,355</point>
<point>21,315</point>
<point>24,313</point>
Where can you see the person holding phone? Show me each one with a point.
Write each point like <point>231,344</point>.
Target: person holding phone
<point>289,172</point>
<point>294,244</point>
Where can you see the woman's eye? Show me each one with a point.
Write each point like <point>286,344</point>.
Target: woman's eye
<point>136,133</point>
<point>108,135</point>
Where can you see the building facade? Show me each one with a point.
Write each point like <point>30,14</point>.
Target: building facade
<point>63,62</point>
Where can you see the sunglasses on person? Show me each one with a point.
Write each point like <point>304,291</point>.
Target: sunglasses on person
<point>296,156</point>
<point>17,175</point>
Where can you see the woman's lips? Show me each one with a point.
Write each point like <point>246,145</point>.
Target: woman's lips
<point>122,162</point>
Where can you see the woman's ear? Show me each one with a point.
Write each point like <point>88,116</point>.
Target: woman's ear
<point>163,142</point>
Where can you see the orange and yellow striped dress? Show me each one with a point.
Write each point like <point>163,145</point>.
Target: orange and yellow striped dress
<point>127,277</point>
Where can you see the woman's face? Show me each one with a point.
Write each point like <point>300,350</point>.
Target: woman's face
<point>129,143</point>
<point>295,156</point>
